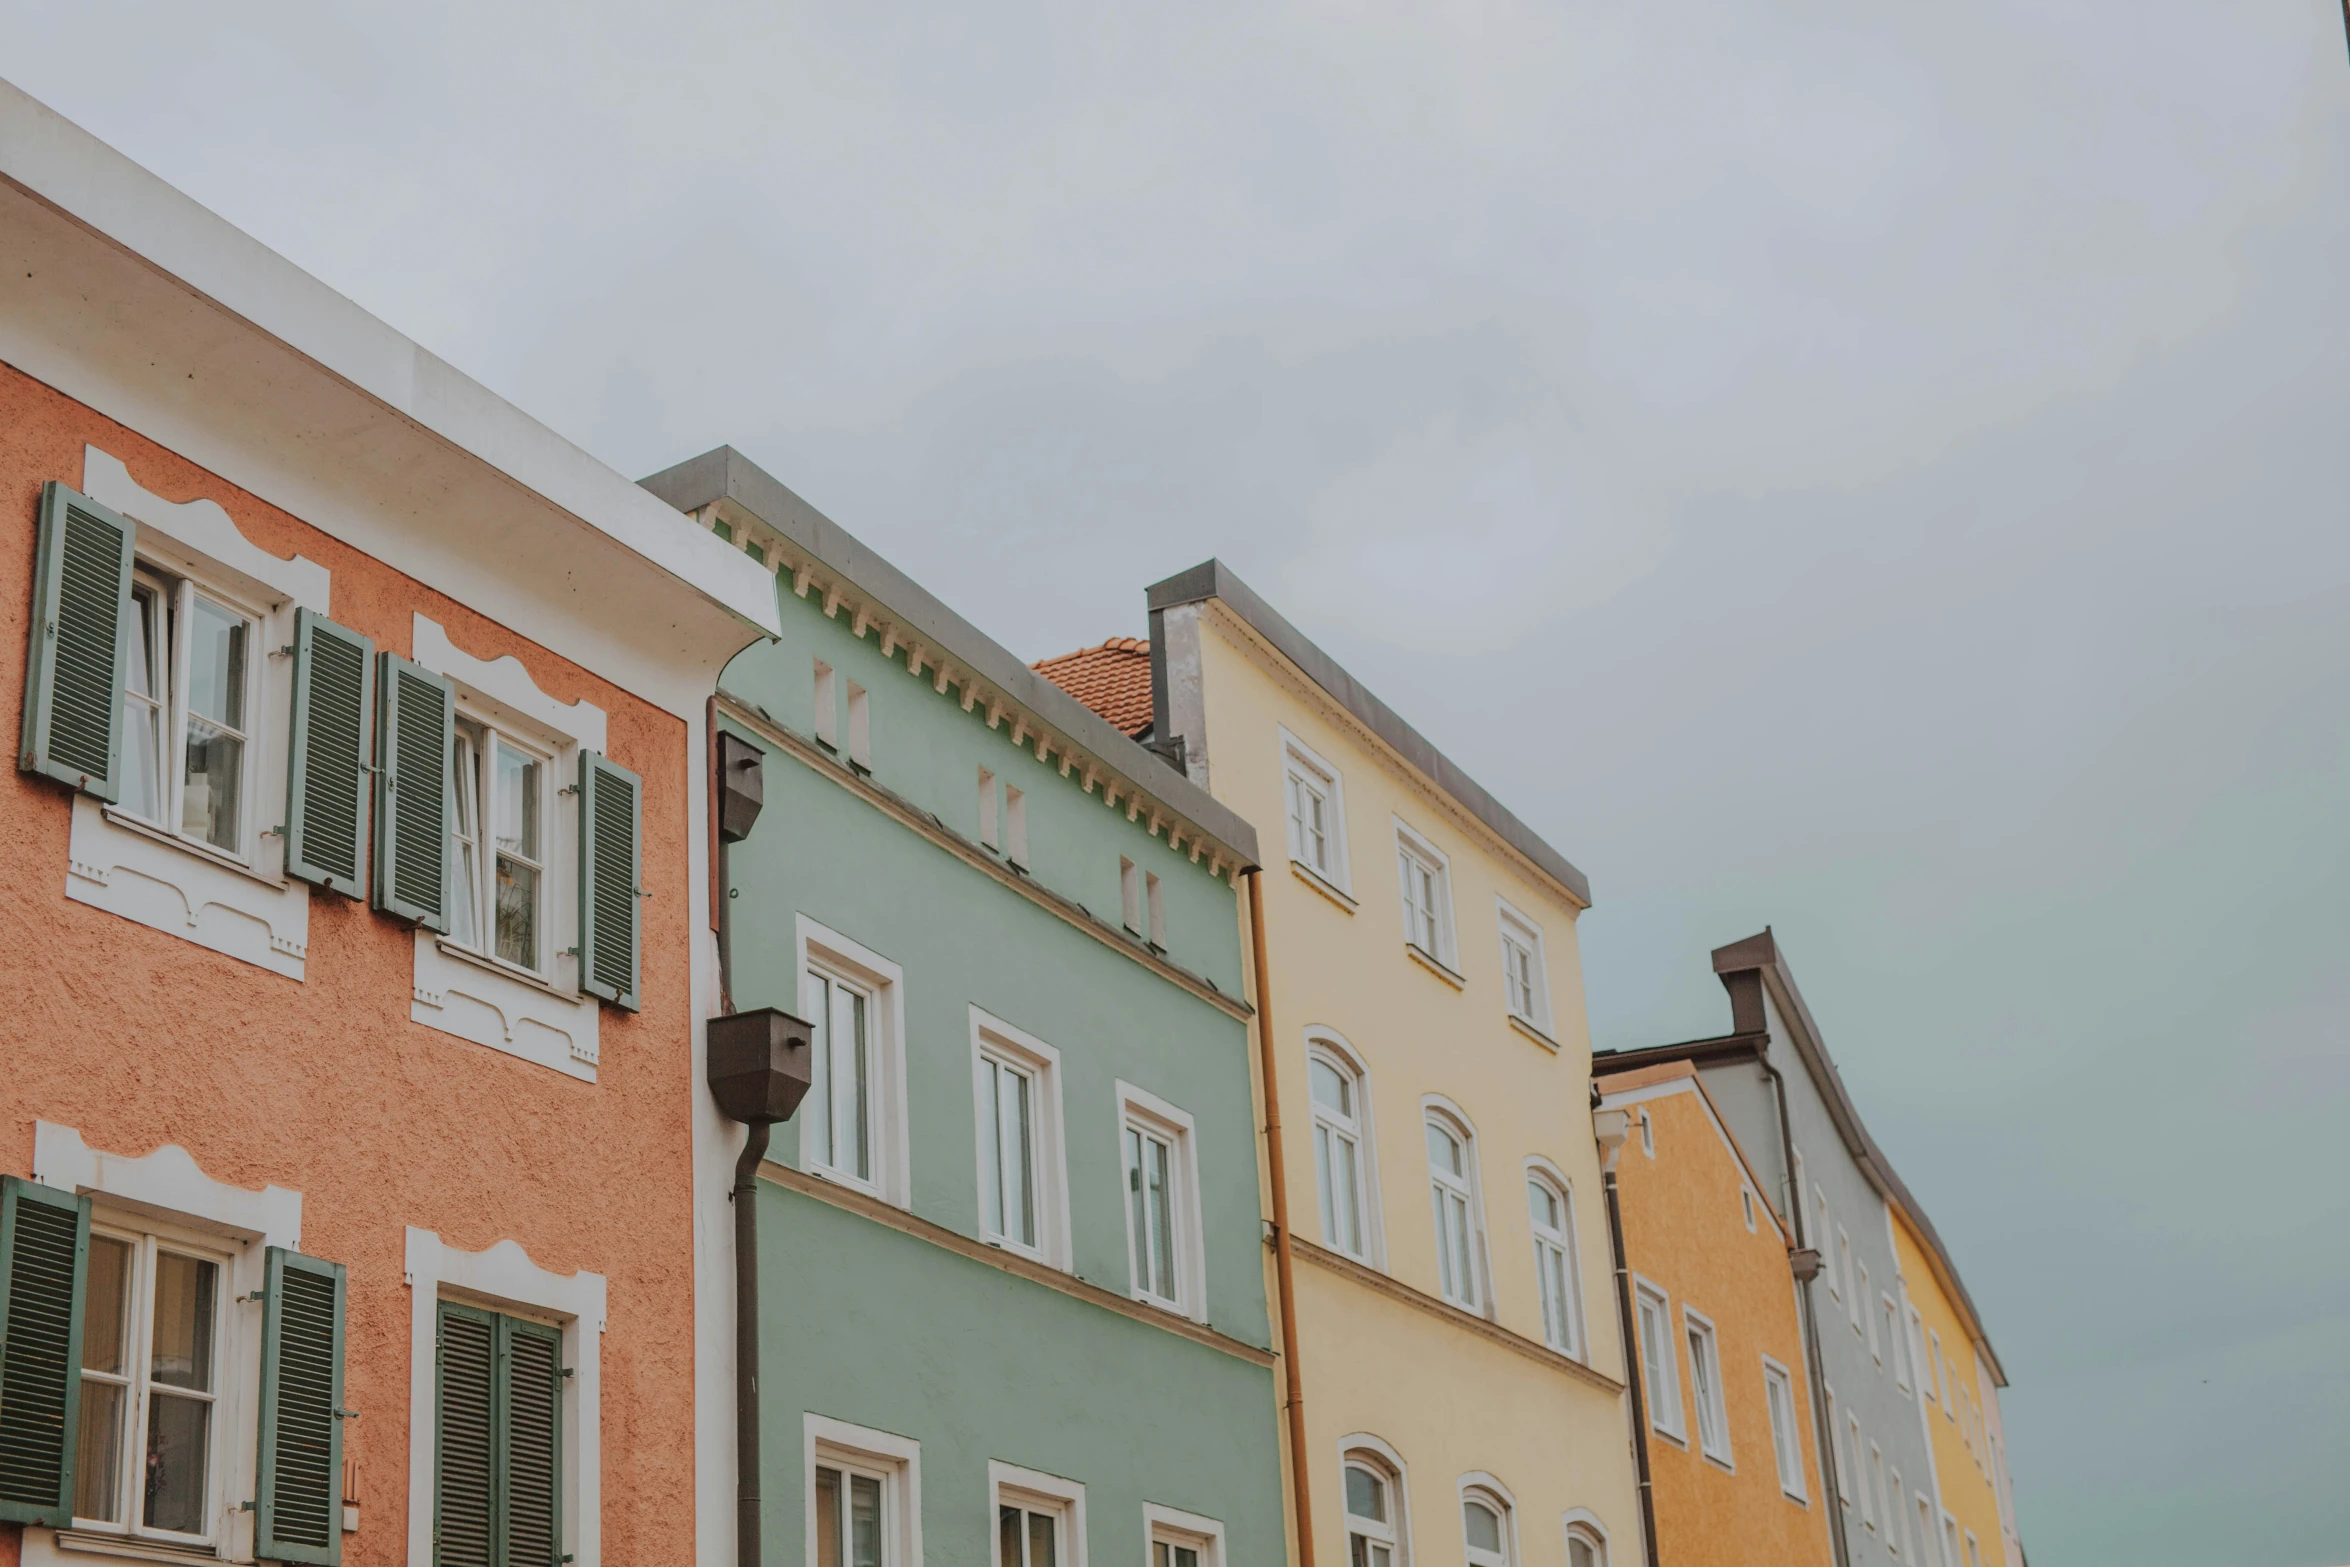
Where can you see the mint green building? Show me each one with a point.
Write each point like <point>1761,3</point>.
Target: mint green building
<point>1012,1281</point>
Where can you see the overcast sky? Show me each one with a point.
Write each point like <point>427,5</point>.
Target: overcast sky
<point>1875,469</point>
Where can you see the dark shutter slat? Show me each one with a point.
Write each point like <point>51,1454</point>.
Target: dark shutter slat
<point>299,1512</point>
<point>534,1403</point>
<point>611,821</point>
<point>465,1470</point>
<point>415,742</point>
<point>327,754</point>
<point>44,1261</point>
<point>73,672</point>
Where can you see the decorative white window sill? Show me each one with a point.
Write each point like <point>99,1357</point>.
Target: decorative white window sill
<point>1533,1033</point>
<point>52,1547</point>
<point>133,869</point>
<point>1323,885</point>
<point>1436,966</point>
<point>490,1003</point>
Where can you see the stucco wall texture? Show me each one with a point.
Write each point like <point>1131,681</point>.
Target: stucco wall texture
<point>1685,1232</point>
<point>137,1040</point>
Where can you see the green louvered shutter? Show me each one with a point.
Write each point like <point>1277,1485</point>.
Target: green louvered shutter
<point>80,638</point>
<point>611,821</point>
<point>415,758</point>
<point>44,1268</point>
<point>534,1407</point>
<point>465,1461</point>
<point>327,755</point>
<point>298,1514</point>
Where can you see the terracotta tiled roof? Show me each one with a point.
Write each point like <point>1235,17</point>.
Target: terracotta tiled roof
<point>1114,679</point>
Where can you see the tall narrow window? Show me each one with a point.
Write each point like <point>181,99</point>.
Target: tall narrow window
<point>1555,1264</point>
<point>1862,1322</point>
<point>1370,1514</point>
<point>1150,1198</point>
<point>151,1322</point>
<point>1156,897</point>
<point>1338,1152</point>
<point>1485,1530</point>
<point>1007,1153</point>
<point>1892,1340</point>
<point>1659,1366</point>
<point>146,680</point>
<point>1130,894</point>
<point>1452,1191</point>
<point>1016,826</point>
<point>188,694</point>
<point>497,1472</point>
<point>1525,985</point>
<point>1896,1510</point>
<point>1786,1438</point>
<point>827,725</point>
<point>851,1522</point>
<point>1028,1534</point>
<point>1872,1485</point>
<point>1925,1529</point>
<point>498,905</point>
<point>1427,911</point>
<point>1705,1387</point>
<point>1312,795</point>
<point>1647,1135</point>
<point>989,837</point>
<point>860,728</point>
<point>1840,1271</point>
<point>837,1119</point>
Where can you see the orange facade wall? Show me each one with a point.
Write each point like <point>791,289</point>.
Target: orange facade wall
<point>1685,1232</point>
<point>137,1039</point>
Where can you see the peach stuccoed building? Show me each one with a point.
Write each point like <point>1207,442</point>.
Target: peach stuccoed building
<point>348,1102</point>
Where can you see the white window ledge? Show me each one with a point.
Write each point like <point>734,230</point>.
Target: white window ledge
<point>1436,966</point>
<point>1323,885</point>
<point>504,1278</point>
<point>473,997</point>
<point>143,876</point>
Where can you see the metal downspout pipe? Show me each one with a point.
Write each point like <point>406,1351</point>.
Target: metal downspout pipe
<point>1277,1174</point>
<point>1626,1319</point>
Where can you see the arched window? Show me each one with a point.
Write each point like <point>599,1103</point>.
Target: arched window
<point>1553,1209</point>
<point>1485,1528</point>
<point>1340,1119</point>
<point>1373,1504</point>
<point>1586,1546</point>
<point>1452,1189</point>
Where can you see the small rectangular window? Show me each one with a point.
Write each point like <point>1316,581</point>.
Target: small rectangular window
<point>1647,1135</point>
<point>189,690</point>
<point>1786,1437</point>
<point>1130,894</point>
<point>1892,1340</point>
<point>1427,897</point>
<point>152,1339</point>
<point>860,728</point>
<point>1862,1323</point>
<point>1746,1203</point>
<point>1015,826</point>
<point>988,835</point>
<point>498,905</point>
<point>1316,814</point>
<point>827,723</point>
<point>1872,1486</point>
<point>1155,896</point>
<point>864,1496</point>
<point>1659,1366</point>
<point>1525,984</point>
<point>1705,1386</point>
<point>1016,1098</point>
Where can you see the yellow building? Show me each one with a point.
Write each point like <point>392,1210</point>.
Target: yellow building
<point>1457,1343</point>
<point>1958,1394</point>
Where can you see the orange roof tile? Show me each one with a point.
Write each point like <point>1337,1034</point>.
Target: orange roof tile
<point>1114,679</point>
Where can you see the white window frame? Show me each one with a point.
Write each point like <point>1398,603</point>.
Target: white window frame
<point>1584,1525</point>
<point>1301,765</point>
<point>1647,1133</point>
<point>1835,1470</point>
<point>1142,1111</point>
<point>894,1460</point>
<point>504,1279</point>
<point>1705,1381</point>
<point>1192,1531</point>
<point>1519,930</point>
<point>1938,1372</point>
<point>1864,1321</point>
<point>860,706</point>
<point>1130,910</point>
<point>839,958</point>
<point>993,1039</point>
<point>176,587</point>
<point>1486,1491</point>
<point>1039,1492</point>
<point>1411,847</point>
<point>825,725</point>
<point>1326,1045</point>
<point>990,837</point>
<point>1872,1486</point>
<point>1380,1457</point>
<point>1890,1311</point>
<point>1896,1512</point>
<point>1661,1375</point>
<point>547,753</point>
<point>1016,826</point>
<point>1786,1438</point>
<point>1437,1111</point>
<point>1746,1205</point>
<point>1840,1268</point>
<point>1923,1518</point>
<point>1567,1241</point>
<point>1154,898</point>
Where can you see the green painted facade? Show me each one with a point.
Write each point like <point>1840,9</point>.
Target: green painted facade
<point>869,1325</point>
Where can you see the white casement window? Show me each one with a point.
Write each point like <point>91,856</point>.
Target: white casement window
<point>1374,1504</point>
<point>860,727</point>
<point>1892,1340</point>
<point>1016,826</point>
<point>1586,1546</point>
<point>1452,1190</point>
<point>1862,1323</point>
<point>1485,1528</point>
<point>1314,798</point>
<point>154,1322</point>
<point>1840,1273</point>
<point>1130,894</point>
<point>1974,1551</point>
<point>853,1118</point>
<point>1822,1229</point>
<point>1426,880</point>
<point>826,727</point>
<point>1551,1206</point>
<point>1039,1518</point>
<point>191,700</point>
<point>1841,1486</point>
<point>1872,1485</point>
<point>1938,1375</point>
<point>864,1491</point>
<point>1746,1206</point>
<point>1341,1169</point>
<point>1856,1487</point>
<point>1525,980</point>
<point>1154,897</point>
<point>504,789</point>
<point>1157,1148</point>
<point>1016,1092</point>
<point>1705,1386</point>
<point>1180,1539</point>
<point>1659,1365</point>
<point>1647,1135</point>
<point>989,836</point>
<point>1922,1529</point>
<point>1914,1345</point>
<point>1896,1512</point>
<point>1786,1434</point>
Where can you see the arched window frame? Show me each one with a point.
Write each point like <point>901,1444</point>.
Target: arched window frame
<point>1436,1111</point>
<point>1380,1457</point>
<point>1483,1489</point>
<point>1329,1046</point>
<point>1584,1525</point>
<point>1540,1171</point>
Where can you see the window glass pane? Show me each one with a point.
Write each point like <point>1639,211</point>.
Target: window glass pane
<point>1484,1526</point>
<point>864,1521</point>
<point>1579,1552</point>
<point>1544,1205</point>
<point>1443,1151</point>
<point>518,912</point>
<point>1366,1494</point>
<point>178,1434</point>
<point>1331,1089</point>
<point>1349,1196</point>
<point>464,923</point>
<point>97,1473</point>
<point>1162,1198</point>
<point>106,1306</point>
<point>991,1153</point>
<point>1017,1149</point>
<point>515,819</point>
<point>216,665</point>
<point>1138,1218</point>
<point>184,1289</point>
<point>828,1518</point>
<point>518,803</point>
<point>142,714</point>
<point>1042,1538</point>
<point>850,1091</point>
<point>212,784</point>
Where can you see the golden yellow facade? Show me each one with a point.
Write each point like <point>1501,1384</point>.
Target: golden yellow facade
<point>1457,1327</point>
<point>1961,1403</point>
